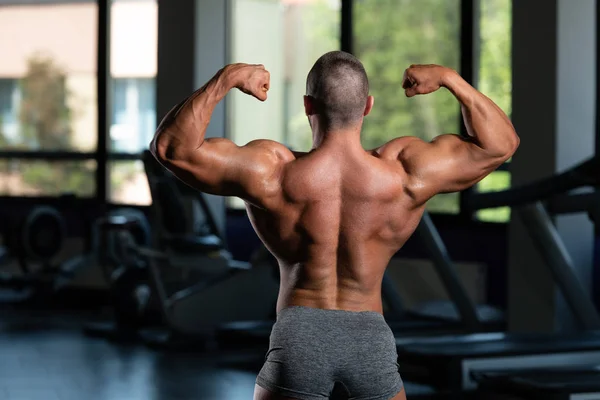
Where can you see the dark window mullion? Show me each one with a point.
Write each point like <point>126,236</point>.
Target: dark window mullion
<point>504,167</point>
<point>346,34</point>
<point>14,202</point>
<point>103,71</point>
<point>596,270</point>
<point>469,39</point>
<point>597,85</point>
<point>47,155</point>
<point>64,155</point>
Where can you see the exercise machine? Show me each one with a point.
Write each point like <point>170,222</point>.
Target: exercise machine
<point>452,363</point>
<point>32,244</point>
<point>460,313</point>
<point>197,282</point>
<point>115,237</point>
<point>569,383</point>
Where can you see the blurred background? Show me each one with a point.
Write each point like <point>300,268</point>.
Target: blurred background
<point>99,242</point>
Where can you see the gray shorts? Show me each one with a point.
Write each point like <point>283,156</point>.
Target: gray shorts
<point>312,350</point>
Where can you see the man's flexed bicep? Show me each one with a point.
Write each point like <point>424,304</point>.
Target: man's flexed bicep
<point>451,163</point>
<point>218,166</point>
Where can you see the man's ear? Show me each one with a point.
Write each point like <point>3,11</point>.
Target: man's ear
<point>309,105</point>
<point>369,106</point>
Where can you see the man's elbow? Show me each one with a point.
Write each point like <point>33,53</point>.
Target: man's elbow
<point>513,144</point>
<point>154,146</point>
<point>505,146</point>
<point>159,148</point>
<point>163,148</point>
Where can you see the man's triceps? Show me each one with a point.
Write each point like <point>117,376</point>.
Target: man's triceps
<point>204,168</point>
<point>222,168</point>
<point>449,163</point>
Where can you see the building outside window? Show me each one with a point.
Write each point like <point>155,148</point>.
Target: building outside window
<point>48,99</point>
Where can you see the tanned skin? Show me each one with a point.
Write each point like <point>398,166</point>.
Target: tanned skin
<point>333,217</point>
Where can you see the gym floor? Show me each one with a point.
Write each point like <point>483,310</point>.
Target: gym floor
<point>49,358</point>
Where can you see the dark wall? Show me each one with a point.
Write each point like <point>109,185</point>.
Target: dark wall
<point>596,274</point>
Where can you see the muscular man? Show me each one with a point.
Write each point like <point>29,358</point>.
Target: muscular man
<point>333,217</point>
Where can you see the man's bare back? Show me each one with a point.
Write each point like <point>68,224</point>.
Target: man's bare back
<point>342,214</point>
<point>335,216</point>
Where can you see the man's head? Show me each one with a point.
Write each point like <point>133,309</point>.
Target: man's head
<point>337,91</point>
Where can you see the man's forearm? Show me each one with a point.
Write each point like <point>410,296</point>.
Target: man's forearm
<point>488,126</point>
<point>184,127</point>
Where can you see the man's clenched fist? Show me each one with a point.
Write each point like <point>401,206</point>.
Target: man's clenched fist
<point>252,79</point>
<point>423,79</point>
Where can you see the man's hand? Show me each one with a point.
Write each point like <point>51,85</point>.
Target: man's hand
<point>252,79</point>
<point>423,79</point>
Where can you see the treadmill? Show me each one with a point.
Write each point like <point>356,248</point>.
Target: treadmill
<point>549,384</point>
<point>460,310</point>
<point>457,363</point>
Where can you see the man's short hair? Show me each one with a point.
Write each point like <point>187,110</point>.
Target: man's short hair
<point>339,87</point>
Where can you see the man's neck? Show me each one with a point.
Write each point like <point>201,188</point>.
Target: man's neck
<point>347,139</point>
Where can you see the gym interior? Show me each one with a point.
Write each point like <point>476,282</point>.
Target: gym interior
<point>117,281</point>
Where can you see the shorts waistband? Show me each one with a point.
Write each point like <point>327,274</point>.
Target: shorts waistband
<point>328,313</point>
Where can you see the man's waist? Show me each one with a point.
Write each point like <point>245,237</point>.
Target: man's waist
<point>323,299</point>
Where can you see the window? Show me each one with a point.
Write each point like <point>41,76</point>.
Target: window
<point>9,103</point>
<point>48,97</point>
<point>48,74</point>
<point>133,67</point>
<point>48,83</point>
<point>498,180</point>
<point>495,78</point>
<point>291,36</point>
<point>390,35</point>
<point>47,178</point>
<point>133,114</point>
<point>128,183</point>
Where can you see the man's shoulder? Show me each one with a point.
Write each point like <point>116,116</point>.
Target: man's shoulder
<point>277,150</point>
<point>393,148</point>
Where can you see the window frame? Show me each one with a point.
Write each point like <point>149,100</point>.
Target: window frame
<point>103,156</point>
